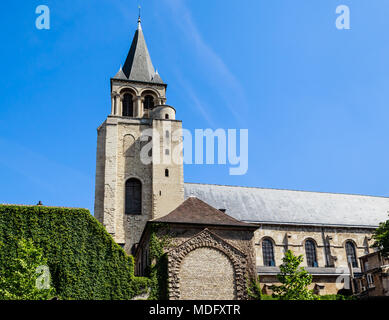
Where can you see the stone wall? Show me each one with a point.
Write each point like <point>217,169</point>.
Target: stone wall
<point>200,280</point>
<point>293,238</point>
<point>168,191</point>
<point>330,250</point>
<point>194,252</point>
<point>118,159</point>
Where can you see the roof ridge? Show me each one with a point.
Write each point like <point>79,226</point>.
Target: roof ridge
<point>194,210</point>
<point>280,189</point>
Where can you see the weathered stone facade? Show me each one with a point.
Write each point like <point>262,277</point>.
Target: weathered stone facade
<point>332,265</point>
<point>119,145</point>
<point>210,248</point>
<point>374,280</point>
<point>193,253</point>
<point>330,242</point>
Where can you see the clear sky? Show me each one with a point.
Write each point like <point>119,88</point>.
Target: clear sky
<point>315,99</point>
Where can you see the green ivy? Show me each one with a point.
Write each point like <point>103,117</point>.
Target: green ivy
<point>84,260</point>
<point>158,271</point>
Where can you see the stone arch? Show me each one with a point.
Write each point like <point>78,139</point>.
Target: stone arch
<point>129,89</point>
<point>129,146</point>
<point>311,239</point>
<point>349,240</point>
<point>151,91</point>
<point>267,238</point>
<point>207,239</point>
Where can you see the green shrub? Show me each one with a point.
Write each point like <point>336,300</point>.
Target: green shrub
<point>83,259</point>
<point>158,270</point>
<point>334,297</point>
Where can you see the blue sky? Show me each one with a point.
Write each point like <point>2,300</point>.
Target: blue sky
<point>314,98</point>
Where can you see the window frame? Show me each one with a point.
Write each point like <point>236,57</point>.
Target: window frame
<point>131,106</point>
<point>137,207</point>
<point>268,252</point>
<point>311,253</point>
<point>347,245</point>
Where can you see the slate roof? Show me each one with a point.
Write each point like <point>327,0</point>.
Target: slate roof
<point>138,65</point>
<point>196,211</point>
<point>259,205</point>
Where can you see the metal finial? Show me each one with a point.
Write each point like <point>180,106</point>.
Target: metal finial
<point>139,25</point>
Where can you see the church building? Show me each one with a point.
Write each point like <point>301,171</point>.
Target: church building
<point>221,235</point>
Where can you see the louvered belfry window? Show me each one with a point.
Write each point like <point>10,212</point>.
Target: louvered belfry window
<point>268,253</point>
<point>149,102</point>
<point>310,252</point>
<point>133,196</point>
<point>350,252</point>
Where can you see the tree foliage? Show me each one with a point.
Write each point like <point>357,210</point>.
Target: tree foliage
<point>294,280</point>
<point>381,238</point>
<point>158,270</point>
<point>26,276</point>
<point>254,289</point>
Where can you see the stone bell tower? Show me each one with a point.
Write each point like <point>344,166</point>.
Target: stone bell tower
<point>139,167</point>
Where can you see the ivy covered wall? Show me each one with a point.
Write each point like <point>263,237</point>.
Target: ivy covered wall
<point>84,260</point>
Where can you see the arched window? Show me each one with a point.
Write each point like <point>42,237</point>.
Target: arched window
<point>133,196</point>
<point>166,172</point>
<point>351,254</point>
<point>310,252</point>
<point>128,108</point>
<point>166,116</point>
<point>148,102</point>
<point>268,253</point>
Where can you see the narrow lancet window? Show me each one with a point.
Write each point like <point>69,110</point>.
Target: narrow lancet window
<point>268,253</point>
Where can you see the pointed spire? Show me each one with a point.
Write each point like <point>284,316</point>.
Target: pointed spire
<point>138,65</point>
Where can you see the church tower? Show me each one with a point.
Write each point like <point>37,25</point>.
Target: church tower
<point>139,166</point>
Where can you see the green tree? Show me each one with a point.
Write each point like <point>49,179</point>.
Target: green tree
<point>294,280</point>
<point>381,238</point>
<point>26,275</point>
<point>254,289</point>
